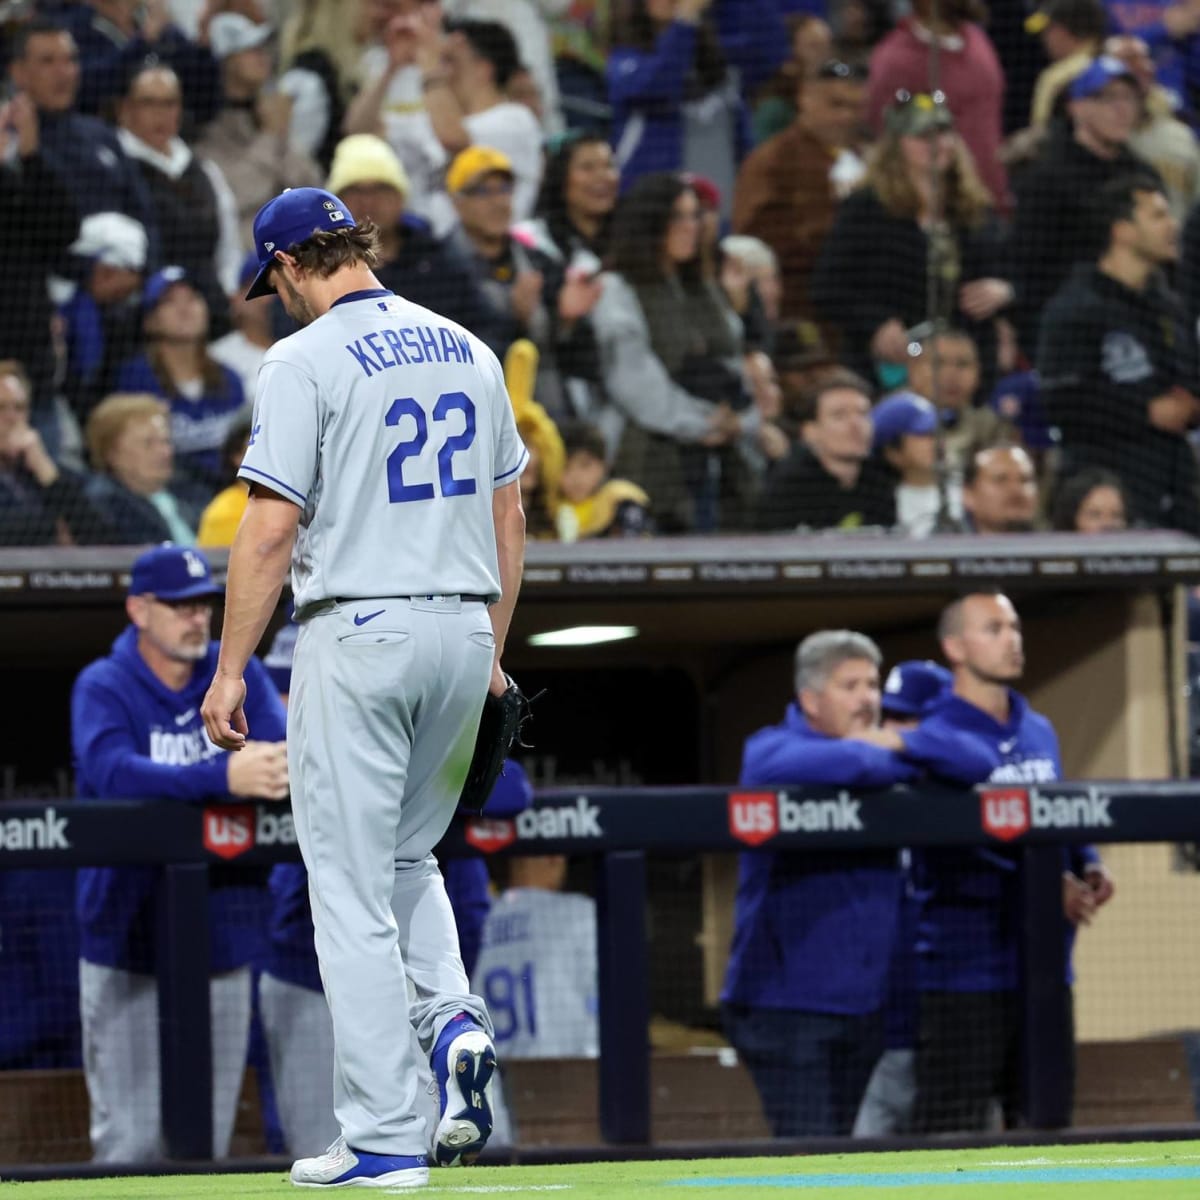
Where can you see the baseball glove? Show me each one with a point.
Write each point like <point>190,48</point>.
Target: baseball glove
<point>499,727</point>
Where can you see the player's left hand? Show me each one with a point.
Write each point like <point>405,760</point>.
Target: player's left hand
<point>224,716</point>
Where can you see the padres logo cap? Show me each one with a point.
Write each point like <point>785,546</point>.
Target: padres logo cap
<point>292,216</point>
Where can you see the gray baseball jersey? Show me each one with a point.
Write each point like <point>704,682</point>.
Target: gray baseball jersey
<point>368,419</point>
<point>537,972</point>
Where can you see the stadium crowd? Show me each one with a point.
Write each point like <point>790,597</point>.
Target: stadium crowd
<point>765,265</point>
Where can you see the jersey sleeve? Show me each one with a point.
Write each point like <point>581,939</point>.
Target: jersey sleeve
<point>285,433</point>
<point>510,454</point>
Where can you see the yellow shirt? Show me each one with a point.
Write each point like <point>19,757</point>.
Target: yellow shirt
<point>219,521</point>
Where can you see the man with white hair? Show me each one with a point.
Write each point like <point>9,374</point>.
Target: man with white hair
<point>814,933</point>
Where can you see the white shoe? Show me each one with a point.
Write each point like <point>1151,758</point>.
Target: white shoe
<point>340,1166</point>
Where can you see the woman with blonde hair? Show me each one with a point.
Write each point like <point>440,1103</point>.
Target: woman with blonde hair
<point>915,248</point>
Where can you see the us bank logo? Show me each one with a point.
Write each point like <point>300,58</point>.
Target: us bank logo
<point>1007,813</point>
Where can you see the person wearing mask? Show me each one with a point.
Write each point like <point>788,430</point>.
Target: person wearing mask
<point>204,396</point>
<point>906,251</point>
<point>969,75</point>
<point>136,733</point>
<point>805,1016</point>
<point>129,445</point>
<point>194,210</point>
<point>829,480</point>
<point>670,352</point>
<point>789,188</point>
<point>675,75</point>
<point>982,731</point>
<point>1117,359</point>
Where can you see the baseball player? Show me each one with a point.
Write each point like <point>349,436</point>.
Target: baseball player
<point>136,733</point>
<point>385,452</point>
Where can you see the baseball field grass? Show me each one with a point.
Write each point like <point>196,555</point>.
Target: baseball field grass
<point>1133,1171</point>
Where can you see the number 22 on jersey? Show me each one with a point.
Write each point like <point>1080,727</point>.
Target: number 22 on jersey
<point>449,404</point>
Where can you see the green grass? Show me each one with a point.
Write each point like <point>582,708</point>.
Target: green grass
<point>931,1175</point>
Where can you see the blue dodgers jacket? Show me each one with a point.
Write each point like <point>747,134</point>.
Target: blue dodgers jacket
<point>290,954</point>
<point>815,931</point>
<point>967,934</point>
<point>133,738</point>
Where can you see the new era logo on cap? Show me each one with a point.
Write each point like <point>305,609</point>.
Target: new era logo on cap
<point>290,218</point>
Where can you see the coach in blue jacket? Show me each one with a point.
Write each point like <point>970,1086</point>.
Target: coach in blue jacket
<point>814,933</point>
<point>136,734</point>
<point>982,731</point>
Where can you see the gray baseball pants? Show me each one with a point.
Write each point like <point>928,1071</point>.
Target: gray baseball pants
<point>382,719</point>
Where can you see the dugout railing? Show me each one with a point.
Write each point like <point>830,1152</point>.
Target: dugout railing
<point>618,828</point>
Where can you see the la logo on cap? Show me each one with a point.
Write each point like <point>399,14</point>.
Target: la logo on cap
<point>195,568</point>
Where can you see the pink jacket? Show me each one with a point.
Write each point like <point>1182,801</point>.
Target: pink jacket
<point>971,78</point>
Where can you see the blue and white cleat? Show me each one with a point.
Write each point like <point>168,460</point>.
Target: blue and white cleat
<point>342,1167</point>
<point>463,1061</point>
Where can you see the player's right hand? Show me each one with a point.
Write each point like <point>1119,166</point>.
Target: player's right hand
<point>259,771</point>
<point>224,716</point>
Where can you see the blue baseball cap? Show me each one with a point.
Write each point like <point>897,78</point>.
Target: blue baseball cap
<point>1097,76</point>
<point>291,217</point>
<point>171,572</point>
<point>161,282</point>
<point>1017,399</point>
<point>914,687</point>
<point>900,414</point>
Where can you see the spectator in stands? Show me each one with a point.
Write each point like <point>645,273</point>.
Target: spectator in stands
<point>526,21</point>
<point>40,222</point>
<point>537,964</point>
<point>968,74</point>
<point>250,138</point>
<point>223,514</point>
<point>543,473</point>
<point>878,275</point>
<point>204,396</point>
<point>829,480</point>
<point>102,315</point>
<point>774,107</point>
<point>413,263</point>
<point>1159,137</point>
<point>673,84</point>
<point>906,426</point>
<point>136,733</point>
<point>804,1015</point>
<point>592,504</point>
<point>41,502</point>
<point>944,368</point>
<point>789,188</point>
<point>750,278</point>
<point>115,36</point>
<point>670,351</point>
<point>245,346</point>
<point>1071,33</point>
<point>1170,28</point>
<point>129,445</point>
<point>574,213</point>
<point>194,210</point>
<point>1056,224</point>
<point>464,74</point>
<point>1092,501</point>
<point>83,151</point>
<point>1118,360</point>
<point>480,181</point>
<point>999,493</point>
<point>983,731</point>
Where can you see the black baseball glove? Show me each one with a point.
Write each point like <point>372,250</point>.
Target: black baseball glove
<point>499,727</point>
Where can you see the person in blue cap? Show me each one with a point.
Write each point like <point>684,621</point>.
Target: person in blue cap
<point>137,734</point>
<point>906,439</point>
